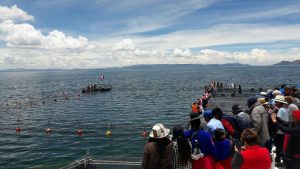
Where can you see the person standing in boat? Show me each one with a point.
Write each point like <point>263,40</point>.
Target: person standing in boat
<point>158,151</point>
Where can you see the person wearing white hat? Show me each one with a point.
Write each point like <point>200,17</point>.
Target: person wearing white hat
<point>158,151</point>
<point>283,115</point>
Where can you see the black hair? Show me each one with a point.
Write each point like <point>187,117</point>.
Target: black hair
<point>195,121</point>
<point>184,147</point>
<point>161,143</point>
<point>251,101</point>
<point>218,113</point>
<point>219,134</point>
<point>236,108</point>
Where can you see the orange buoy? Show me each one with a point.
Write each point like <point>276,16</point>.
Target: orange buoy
<point>145,134</point>
<point>48,130</point>
<point>108,133</point>
<point>79,131</point>
<point>18,129</point>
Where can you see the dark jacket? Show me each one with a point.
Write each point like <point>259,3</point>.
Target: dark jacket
<point>151,157</point>
<point>293,147</point>
<point>244,121</point>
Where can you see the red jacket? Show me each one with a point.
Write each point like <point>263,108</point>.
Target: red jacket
<point>256,157</point>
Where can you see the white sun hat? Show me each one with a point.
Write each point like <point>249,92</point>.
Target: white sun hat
<point>159,131</point>
<point>280,98</point>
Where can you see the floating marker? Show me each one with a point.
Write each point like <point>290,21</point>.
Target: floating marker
<point>145,134</point>
<point>18,129</point>
<point>108,133</point>
<point>48,130</point>
<point>79,131</point>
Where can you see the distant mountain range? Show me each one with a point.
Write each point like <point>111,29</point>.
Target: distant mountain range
<point>295,62</point>
<point>169,66</point>
<point>184,65</point>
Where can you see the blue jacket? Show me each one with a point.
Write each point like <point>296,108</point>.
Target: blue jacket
<point>222,149</point>
<point>204,139</point>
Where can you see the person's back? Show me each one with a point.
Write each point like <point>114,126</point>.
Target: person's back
<point>242,118</point>
<point>201,145</point>
<point>154,158</point>
<point>181,150</point>
<point>256,157</point>
<point>252,156</point>
<point>158,151</point>
<point>195,108</point>
<point>244,121</point>
<point>212,125</point>
<point>260,119</point>
<point>223,147</point>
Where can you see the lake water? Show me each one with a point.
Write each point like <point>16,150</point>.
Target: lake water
<point>140,98</point>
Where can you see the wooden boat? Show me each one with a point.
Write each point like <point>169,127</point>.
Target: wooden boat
<point>97,88</point>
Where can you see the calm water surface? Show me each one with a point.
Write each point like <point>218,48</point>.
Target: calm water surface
<point>140,98</point>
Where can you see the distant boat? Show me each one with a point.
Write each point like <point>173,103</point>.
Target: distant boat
<point>97,88</point>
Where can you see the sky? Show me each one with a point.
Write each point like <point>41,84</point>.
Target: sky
<point>72,34</point>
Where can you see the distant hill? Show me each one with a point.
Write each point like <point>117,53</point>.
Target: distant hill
<point>295,62</point>
<point>145,66</point>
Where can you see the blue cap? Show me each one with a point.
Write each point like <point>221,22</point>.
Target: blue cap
<point>208,114</point>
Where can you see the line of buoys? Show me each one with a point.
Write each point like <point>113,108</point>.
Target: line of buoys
<point>29,101</point>
<point>79,130</point>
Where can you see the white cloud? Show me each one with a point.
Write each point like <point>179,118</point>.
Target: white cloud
<point>125,45</point>
<point>20,34</point>
<point>225,34</point>
<point>182,52</point>
<point>58,40</point>
<point>25,35</point>
<point>255,57</point>
<point>14,13</point>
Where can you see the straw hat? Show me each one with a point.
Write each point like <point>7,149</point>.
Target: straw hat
<point>262,100</point>
<point>280,98</point>
<point>276,92</point>
<point>159,131</point>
